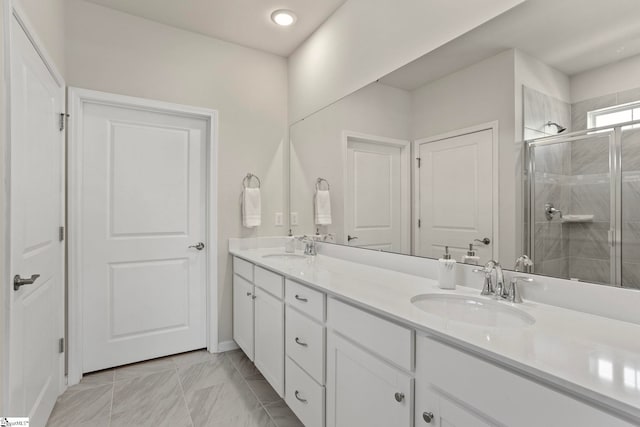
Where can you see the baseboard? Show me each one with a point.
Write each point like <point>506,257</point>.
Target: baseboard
<point>227,346</point>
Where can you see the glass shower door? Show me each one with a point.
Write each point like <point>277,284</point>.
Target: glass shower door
<point>572,207</point>
<point>630,208</point>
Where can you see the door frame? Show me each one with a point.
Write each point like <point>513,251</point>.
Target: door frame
<point>12,9</point>
<point>405,181</point>
<point>77,98</point>
<point>494,127</point>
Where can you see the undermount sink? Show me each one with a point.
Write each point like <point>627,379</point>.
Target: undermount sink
<point>476,311</point>
<point>283,256</point>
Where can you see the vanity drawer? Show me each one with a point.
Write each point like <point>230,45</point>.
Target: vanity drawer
<point>304,396</point>
<point>269,281</point>
<point>305,299</point>
<point>243,268</point>
<point>393,342</point>
<point>305,343</point>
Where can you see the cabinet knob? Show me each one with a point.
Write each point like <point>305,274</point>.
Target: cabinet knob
<point>399,397</point>
<point>427,417</point>
<point>297,394</point>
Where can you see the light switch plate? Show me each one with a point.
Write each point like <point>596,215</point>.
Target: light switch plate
<point>294,218</point>
<point>278,219</point>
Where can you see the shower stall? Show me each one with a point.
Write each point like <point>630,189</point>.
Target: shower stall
<point>582,217</point>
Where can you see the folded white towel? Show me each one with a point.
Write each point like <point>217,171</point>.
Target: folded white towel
<point>323,207</point>
<point>251,209</point>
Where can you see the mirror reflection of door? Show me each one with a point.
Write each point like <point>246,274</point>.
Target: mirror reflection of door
<point>455,195</point>
<point>377,205</point>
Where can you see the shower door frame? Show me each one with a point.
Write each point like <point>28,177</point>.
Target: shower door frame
<point>615,179</point>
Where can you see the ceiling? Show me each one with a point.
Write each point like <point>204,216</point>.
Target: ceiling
<point>570,35</point>
<point>245,22</point>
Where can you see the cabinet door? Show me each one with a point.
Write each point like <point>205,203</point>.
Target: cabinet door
<point>243,314</point>
<point>269,339</point>
<point>362,390</point>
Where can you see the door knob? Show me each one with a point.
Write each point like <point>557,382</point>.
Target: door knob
<point>19,281</point>
<point>199,246</point>
<point>485,241</point>
<point>427,417</point>
<point>350,238</point>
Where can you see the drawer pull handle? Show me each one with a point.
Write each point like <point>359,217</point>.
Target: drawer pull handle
<point>297,394</point>
<point>299,298</point>
<point>399,397</point>
<point>427,417</point>
<point>302,343</point>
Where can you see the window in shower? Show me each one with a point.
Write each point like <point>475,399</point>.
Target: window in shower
<point>612,116</point>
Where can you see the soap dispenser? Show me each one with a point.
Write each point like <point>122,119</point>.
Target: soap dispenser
<point>290,244</point>
<point>471,257</point>
<point>446,271</point>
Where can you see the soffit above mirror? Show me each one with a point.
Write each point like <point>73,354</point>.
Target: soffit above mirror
<point>577,36</point>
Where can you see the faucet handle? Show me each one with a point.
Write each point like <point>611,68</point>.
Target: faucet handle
<point>514,295</point>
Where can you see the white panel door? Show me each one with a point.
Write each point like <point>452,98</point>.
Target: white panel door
<point>373,210</point>
<point>36,367</point>
<point>456,195</point>
<point>143,203</point>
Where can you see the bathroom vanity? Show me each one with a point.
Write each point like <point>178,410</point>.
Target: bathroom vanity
<point>349,344</point>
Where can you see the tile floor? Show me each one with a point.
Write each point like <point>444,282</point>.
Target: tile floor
<point>190,389</point>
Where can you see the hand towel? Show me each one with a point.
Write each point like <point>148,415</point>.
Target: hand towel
<point>251,209</point>
<point>323,207</point>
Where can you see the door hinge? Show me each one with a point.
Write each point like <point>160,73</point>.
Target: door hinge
<point>419,223</point>
<point>63,117</point>
<point>61,233</point>
<point>419,162</point>
<point>61,345</point>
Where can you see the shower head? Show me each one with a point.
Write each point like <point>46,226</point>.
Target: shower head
<point>559,128</point>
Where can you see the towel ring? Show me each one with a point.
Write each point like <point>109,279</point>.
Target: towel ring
<point>246,181</point>
<point>319,183</point>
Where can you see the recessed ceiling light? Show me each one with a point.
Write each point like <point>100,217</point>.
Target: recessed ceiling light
<point>283,17</point>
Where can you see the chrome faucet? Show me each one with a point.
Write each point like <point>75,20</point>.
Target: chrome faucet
<point>309,245</point>
<point>498,290</point>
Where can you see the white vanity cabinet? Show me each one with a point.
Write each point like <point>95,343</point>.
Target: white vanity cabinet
<point>366,382</point>
<point>456,389</point>
<point>243,293</point>
<point>258,319</point>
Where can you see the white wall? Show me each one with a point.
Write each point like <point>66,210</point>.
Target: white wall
<point>115,52</point>
<point>317,147</point>
<point>612,78</point>
<point>367,39</point>
<point>47,18</point>
<point>481,93</point>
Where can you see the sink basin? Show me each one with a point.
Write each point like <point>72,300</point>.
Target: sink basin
<point>476,311</point>
<point>283,256</point>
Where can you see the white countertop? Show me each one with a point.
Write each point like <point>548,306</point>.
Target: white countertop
<point>594,357</point>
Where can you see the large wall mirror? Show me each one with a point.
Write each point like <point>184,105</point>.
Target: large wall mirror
<point>521,137</point>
